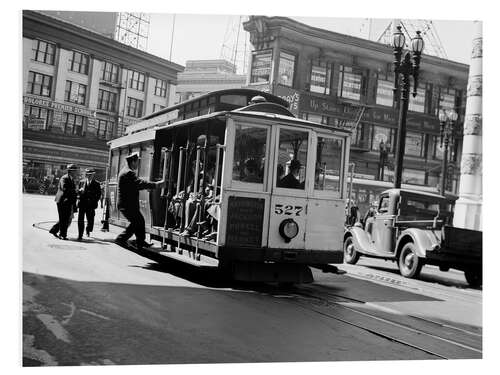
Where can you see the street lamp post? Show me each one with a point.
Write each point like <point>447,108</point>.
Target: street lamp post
<point>447,122</point>
<point>404,68</point>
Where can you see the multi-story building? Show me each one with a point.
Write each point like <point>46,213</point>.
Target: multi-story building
<point>203,76</point>
<point>81,89</point>
<point>341,80</point>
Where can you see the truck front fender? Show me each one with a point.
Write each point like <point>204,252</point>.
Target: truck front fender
<point>361,240</point>
<point>424,239</point>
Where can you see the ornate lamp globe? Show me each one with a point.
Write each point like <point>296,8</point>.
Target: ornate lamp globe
<point>417,44</point>
<point>398,39</point>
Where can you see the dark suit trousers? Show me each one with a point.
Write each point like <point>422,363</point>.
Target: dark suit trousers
<point>82,213</point>
<point>136,226</point>
<point>62,225</point>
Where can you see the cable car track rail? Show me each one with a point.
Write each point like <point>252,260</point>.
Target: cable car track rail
<point>430,343</point>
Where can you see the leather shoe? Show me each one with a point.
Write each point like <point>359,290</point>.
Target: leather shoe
<point>55,235</point>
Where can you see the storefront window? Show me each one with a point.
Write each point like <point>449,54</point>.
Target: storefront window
<point>286,69</point>
<point>36,118</point>
<point>261,67</point>
<point>249,154</point>
<point>321,73</point>
<point>447,99</point>
<point>414,144</point>
<point>104,129</point>
<point>382,134</point>
<point>437,148</point>
<point>73,124</point>
<point>385,93</point>
<point>292,159</point>
<point>350,83</point>
<point>413,176</point>
<point>328,164</point>
<point>417,104</point>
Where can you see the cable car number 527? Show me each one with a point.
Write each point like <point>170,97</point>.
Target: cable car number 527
<point>281,209</point>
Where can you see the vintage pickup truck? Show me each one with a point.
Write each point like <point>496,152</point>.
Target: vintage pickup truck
<point>414,228</point>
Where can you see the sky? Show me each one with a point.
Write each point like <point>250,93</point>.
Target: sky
<point>199,37</point>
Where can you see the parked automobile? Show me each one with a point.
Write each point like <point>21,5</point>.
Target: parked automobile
<point>415,228</point>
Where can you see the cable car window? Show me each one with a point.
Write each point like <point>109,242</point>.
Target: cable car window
<point>143,171</point>
<point>292,159</point>
<point>249,154</point>
<point>239,100</point>
<point>328,164</point>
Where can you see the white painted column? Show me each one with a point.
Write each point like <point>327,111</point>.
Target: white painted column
<point>469,204</point>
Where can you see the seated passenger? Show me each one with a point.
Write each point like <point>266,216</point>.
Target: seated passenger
<point>291,180</point>
<point>251,171</point>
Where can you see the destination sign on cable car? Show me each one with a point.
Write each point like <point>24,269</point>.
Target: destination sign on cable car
<point>244,221</point>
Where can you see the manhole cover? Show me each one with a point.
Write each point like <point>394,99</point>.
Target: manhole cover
<point>67,247</point>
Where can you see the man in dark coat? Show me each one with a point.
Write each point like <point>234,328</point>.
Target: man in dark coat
<point>66,202</point>
<point>128,201</point>
<point>89,192</point>
<point>291,180</point>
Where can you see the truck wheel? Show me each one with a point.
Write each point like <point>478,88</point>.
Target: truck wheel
<point>474,278</point>
<point>409,263</point>
<point>351,256</point>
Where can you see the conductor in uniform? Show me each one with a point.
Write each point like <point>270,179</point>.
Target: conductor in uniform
<point>89,194</point>
<point>66,202</point>
<point>128,201</point>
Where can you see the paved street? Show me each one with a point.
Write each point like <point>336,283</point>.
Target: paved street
<point>93,302</point>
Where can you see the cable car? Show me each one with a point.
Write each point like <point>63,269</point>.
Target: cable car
<point>250,188</point>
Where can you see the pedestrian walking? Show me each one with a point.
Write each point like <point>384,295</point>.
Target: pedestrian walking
<point>89,193</point>
<point>128,201</point>
<point>66,202</point>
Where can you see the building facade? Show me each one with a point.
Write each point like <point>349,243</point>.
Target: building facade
<point>81,89</point>
<point>203,76</point>
<point>341,80</point>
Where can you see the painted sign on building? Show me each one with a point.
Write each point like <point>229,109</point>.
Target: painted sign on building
<point>47,103</point>
<point>291,96</point>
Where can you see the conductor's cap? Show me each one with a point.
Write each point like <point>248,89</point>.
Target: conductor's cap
<point>132,156</point>
<point>89,170</point>
<point>72,167</point>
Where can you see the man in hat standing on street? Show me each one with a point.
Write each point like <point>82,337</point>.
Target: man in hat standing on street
<point>66,202</point>
<point>128,201</point>
<point>89,192</point>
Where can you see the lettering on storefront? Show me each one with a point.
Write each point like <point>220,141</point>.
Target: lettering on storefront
<point>65,154</point>
<point>47,103</point>
<point>36,123</point>
<point>313,104</point>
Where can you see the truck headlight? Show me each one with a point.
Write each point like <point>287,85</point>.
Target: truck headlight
<point>288,229</point>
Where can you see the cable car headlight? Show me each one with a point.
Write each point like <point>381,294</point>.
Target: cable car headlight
<point>288,229</point>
